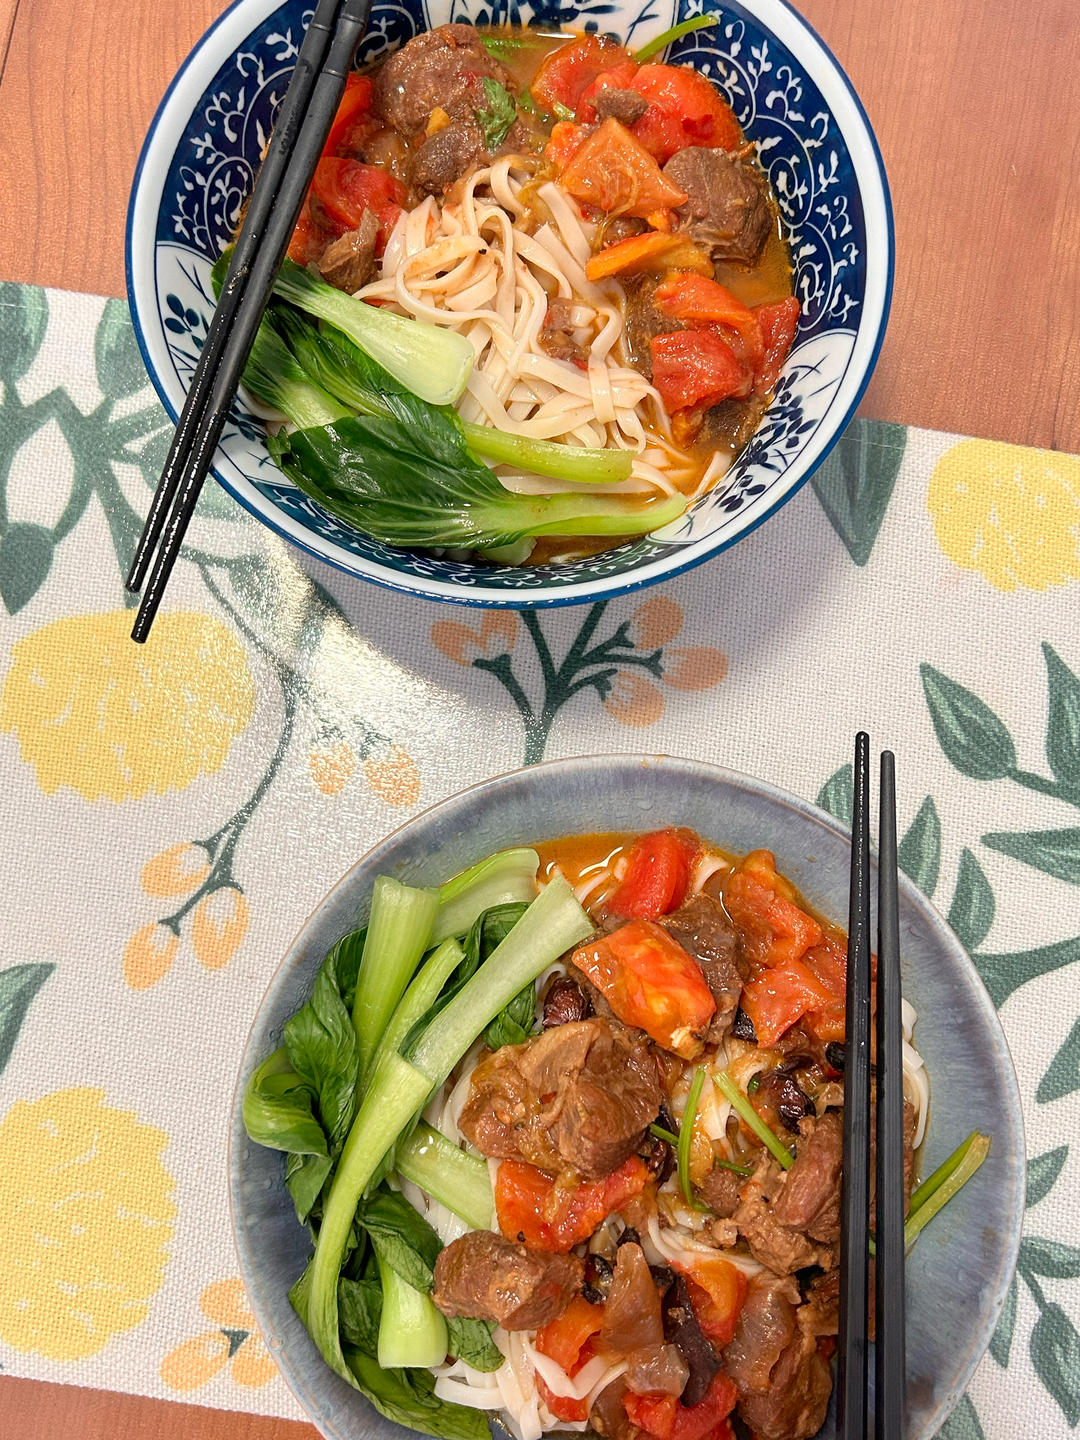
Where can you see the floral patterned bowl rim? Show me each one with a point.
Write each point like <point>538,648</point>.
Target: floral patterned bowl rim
<point>960,1271</point>
<point>814,138</point>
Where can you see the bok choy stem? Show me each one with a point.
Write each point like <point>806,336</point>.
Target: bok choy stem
<point>506,878</point>
<point>411,1330</point>
<point>421,995</point>
<point>398,933</point>
<point>455,1179</point>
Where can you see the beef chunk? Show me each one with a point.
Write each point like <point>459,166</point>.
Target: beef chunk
<point>626,106</point>
<point>703,929</point>
<point>720,1191</point>
<point>774,1244</point>
<point>438,69</point>
<point>730,424</point>
<point>643,321</point>
<point>821,1313</point>
<point>810,1198</point>
<point>727,207</point>
<point>556,334</point>
<point>580,1095</point>
<point>565,1001</point>
<point>349,262</point>
<point>447,155</point>
<point>488,1278</point>
<point>783,1382</point>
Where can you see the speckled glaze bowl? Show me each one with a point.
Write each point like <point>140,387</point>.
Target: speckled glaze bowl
<point>960,1269</point>
<point>791,98</point>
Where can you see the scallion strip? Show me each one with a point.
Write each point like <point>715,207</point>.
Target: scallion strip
<point>686,1139</point>
<point>668,37</point>
<point>735,1169</point>
<point>455,1179</point>
<point>662,1134</point>
<point>939,1188</point>
<point>746,1112</point>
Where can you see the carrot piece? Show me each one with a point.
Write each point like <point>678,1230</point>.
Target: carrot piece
<point>636,252</point>
<point>614,173</point>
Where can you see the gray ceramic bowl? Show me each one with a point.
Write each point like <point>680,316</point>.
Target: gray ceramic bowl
<point>958,1273</point>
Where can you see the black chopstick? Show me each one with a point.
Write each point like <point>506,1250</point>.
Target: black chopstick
<point>852,1372</point>
<point>302,147</point>
<point>889,1350</point>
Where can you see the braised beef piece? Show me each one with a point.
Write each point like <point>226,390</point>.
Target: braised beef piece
<point>580,1095</point>
<point>730,424</point>
<point>565,1001</point>
<point>556,334</point>
<point>348,262</point>
<point>488,1278</point>
<point>682,1329</point>
<point>643,321</point>
<point>783,1383</point>
<point>810,1198</point>
<point>447,155</point>
<point>775,1245</point>
<point>703,929</point>
<point>727,208</point>
<point>438,69</point>
<point>626,106</point>
<point>820,1314</point>
<point>633,1328</point>
<point>388,151</point>
<point>720,1191</point>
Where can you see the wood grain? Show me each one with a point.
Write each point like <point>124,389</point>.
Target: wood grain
<point>34,1411</point>
<point>974,107</point>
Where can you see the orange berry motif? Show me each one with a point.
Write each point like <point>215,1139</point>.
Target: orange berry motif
<point>393,776</point>
<point>176,871</point>
<point>218,927</point>
<point>236,1343</point>
<point>148,955</point>
<point>332,767</point>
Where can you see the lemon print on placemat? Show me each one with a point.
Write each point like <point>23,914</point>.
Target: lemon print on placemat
<point>88,1212</point>
<point>1009,512</point>
<point>116,720</point>
<point>235,1343</point>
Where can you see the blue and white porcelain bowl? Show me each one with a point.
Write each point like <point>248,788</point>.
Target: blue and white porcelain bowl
<point>791,98</point>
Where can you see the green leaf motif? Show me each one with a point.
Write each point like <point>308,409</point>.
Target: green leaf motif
<point>1055,852</point>
<point>1063,1076</point>
<point>1063,721</point>
<point>963,1423</point>
<point>972,910</point>
<point>1043,1172</point>
<point>18,986</point>
<point>1002,1338</point>
<point>837,795</point>
<point>120,369</point>
<point>971,735</point>
<point>919,852</point>
<point>1055,1353</point>
<point>26,553</point>
<point>1051,1258</point>
<point>24,318</point>
<point>856,481</point>
<point>1002,974</point>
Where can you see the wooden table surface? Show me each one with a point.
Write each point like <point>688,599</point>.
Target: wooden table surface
<point>975,109</point>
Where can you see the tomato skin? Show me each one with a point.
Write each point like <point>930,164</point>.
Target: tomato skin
<point>777,325</point>
<point>566,140</point>
<point>565,73</point>
<point>717,1291</point>
<point>355,107</point>
<point>761,903</point>
<point>781,995</point>
<point>612,171</point>
<point>652,983</point>
<point>695,367</point>
<point>344,189</point>
<point>699,300</point>
<point>828,961</point>
<point>565,1338</point>
<point>656,879</point>
<point>548,1216</point>
<point>684,109</point>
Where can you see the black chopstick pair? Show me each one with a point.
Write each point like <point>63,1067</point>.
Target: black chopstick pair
<point>296,144</point>
<point>888,1238</point>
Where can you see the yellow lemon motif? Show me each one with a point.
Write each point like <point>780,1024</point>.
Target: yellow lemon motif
<point>117,720</point>
<point>88,1218</point>
<point>1009,512</point>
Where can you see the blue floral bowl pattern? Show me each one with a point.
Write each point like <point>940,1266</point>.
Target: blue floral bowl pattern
<point>792,100</point>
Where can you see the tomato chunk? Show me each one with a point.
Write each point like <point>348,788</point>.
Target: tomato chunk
<point>777,325</point>
<point>565,1338</point>
<point>781,995</point>
<point>666,1418</point>
<point>762,904</point>
<point>656,879</point>
<point>344,189</point>
<point>828,961</point>
<point>612,171</point>
<point>352,114</point>
<point>695,367</point>
<point>545,1215</point>
<point>565,73</point>
<point>566,140</point>
<point>699,300</point>
<point>652,983</point>
<point>717,1291</point>
<point>563,1407</point>
<point>684,109</point>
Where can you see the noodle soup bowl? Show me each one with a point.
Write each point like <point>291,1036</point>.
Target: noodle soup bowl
<point>959,1271</point>
<point>813,140</point>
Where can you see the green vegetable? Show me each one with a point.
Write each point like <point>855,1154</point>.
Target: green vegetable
<point>561,111</point>
<point>422,994</point>
<point>686,1137</point>
<point>399,1088</point>
<point>322,1044</point>
<point>455,1179</point>
<point>498,115</point>
<point>398,933</point>
<point>423,489</point>
<point>735,1169</point>
<point>507,46</point>
<point>411,1330</point>
<point>470,1340</point>
<point>506,878</point>
<point>433,362</point>
<point>359,1311</point>
<point>279,1112</point>
<point>408,1398</point>
<point>662,1134</point>
<point>328,358</point>
<point>746,1111</point>
<point>939,1188</point>
<point>516,1021</point>
<point>275,376</point>
<point>668,37</point>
